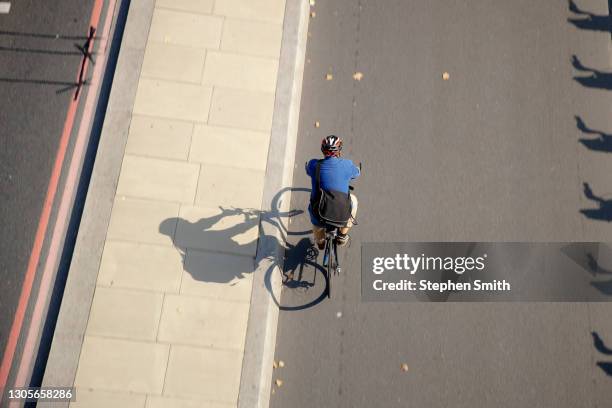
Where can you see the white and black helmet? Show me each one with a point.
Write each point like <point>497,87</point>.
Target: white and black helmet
<point>331,145</point>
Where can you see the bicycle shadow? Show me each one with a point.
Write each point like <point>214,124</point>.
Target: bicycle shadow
<point>219,246</point>
<point>300,272</point>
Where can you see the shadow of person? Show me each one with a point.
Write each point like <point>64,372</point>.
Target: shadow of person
<point>589,21</point>
<point>217,248</point>
<point>604,212</point>
<point>596,269</point>
<point>601,347</point>
<point>603,143</point>
<point>597,79</point>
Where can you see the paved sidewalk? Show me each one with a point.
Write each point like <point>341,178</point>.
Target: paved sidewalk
<point>169,315</point>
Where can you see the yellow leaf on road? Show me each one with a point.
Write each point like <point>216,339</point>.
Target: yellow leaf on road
<point>329,77</point>
<point>445,76</point>
<point>358,76</point>
<point>279,382</point>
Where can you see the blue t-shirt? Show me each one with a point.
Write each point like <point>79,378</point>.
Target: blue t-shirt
<point>335,174</point>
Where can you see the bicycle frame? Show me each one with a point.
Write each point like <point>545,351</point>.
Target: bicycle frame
<point>330,256</point>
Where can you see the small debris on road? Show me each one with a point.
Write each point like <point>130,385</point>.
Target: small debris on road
<point>445,76</point>
<point>329,77</point>
<point>339,315</point>
<point>274,364</point>
<point>317,124</point>
<point>404,367</point>
<point>279,382</point>
<point>312,3</point>
<point>313,14</point>
<point>358,76</point>
<point>281,363</point>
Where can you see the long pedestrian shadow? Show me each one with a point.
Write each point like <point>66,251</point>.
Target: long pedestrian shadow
<point>601,347</point>
<point>587,256</point>
<point>81,50</point>
<point>603,212</point>
<point>591,21</point>
<point>596,79</point>
<point>603,143</point>
<point>596,269</point>
<point>220,248</point>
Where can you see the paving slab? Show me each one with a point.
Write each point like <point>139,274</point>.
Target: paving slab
<point>197,6</point>
<point>242,109</point>
<point>226,230</point>
<point>181,28</point>
<point>156,137</point>
<point>139,220</point>
<point>264,10</point>
<point>165,402</point>
<point>252,37</point>
<point>141,266</point>
<point>125,313</point>
<point>158,179</point>
<point>199,321</point>
<point>204,373</point>
<point>229,186</point>
<point>173,62</point>
<point>218,276</point>
<point>122,365</point>
<point>103,399</point>
<point>221,145</point>
<point>173,100</point>
<point>237,71</point>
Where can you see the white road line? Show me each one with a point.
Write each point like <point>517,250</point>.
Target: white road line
<point>5,7</point>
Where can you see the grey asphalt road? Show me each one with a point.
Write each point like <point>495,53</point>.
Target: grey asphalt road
<point>498,152</point>
<point>38,67</point>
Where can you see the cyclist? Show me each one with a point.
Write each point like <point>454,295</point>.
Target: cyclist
<point>335,174</point>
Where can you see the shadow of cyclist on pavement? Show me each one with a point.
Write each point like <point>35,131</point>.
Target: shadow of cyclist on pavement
<point>218,248</point>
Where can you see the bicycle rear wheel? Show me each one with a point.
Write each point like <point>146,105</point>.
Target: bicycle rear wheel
<point>329,267</point>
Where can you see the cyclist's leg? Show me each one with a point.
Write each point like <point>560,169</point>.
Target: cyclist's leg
<point>354,204</point>
<point>343,238</point>
<point>318,231</point>
<point>319,236</point>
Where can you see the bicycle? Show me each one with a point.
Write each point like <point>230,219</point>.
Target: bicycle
<point>331,262</point>
<point>330,254</point>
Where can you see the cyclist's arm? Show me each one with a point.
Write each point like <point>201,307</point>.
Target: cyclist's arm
<point>355,172</point>
<point>309,168</point>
